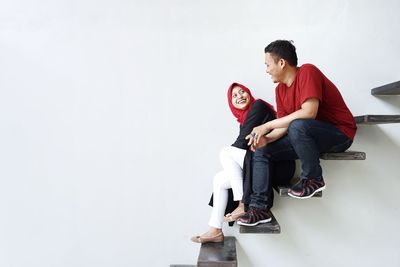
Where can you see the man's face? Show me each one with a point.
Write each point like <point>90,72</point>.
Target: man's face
<point>275,69</point>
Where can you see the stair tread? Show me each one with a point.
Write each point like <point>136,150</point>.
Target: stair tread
<point>377,119</point>
<point>388,89</point>
<point>271,227</point>
<point>221,254</point>
<point>347,155</point>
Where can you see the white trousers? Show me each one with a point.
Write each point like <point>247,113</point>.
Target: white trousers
<point>230,177</point>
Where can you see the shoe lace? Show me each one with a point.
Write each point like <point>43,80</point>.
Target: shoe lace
<point>252,211</point>
<point>255,211</point>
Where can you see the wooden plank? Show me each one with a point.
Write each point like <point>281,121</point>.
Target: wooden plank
<point>377,119</point>
<point>347,155</point>
<point>222,254</point>
<point>388,89</point>
<point>271,227</point>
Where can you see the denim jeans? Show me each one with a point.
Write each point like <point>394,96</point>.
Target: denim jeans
<point>306,139</point>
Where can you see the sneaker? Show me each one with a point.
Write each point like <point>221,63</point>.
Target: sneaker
<point>255,216</point>
<point>306,188</point>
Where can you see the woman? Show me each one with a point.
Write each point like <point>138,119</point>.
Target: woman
<point>249,113</point>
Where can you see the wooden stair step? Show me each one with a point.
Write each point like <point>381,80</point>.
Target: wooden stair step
<point>347,155</point>
<point>377,119</point>
<point>271,227</point>
<point>388,89</point>
<point>222,254</point>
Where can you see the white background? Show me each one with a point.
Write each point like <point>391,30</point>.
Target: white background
<point>112,114</point>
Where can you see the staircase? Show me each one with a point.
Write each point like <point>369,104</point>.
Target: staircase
<point>224,254</point>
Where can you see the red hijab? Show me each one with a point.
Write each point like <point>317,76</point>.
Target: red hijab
<point>241,114</point>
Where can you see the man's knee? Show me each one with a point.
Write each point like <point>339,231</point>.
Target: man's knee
<point>298,126</point>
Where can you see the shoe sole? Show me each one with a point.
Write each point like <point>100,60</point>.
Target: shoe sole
<point>198,239</point>
<point>316,191</point>
<point>254,224</point>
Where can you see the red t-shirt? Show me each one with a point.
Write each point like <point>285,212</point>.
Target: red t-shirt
<point>310,82</point>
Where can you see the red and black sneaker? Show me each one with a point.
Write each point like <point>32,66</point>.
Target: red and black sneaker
<point>306,188</point>
<point>255,216</point>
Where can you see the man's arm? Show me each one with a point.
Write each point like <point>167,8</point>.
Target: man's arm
<point>274,135</point>
<point>308,110</point>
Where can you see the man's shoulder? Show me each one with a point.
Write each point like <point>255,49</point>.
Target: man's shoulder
<point>308,67</point>
<point>309,70</point>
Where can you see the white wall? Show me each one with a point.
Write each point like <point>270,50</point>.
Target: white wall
<point>112,114</point>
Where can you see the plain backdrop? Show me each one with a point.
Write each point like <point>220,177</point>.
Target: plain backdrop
<point>112,115</point>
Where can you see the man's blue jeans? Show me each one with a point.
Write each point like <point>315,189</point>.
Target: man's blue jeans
<point>306,139</point>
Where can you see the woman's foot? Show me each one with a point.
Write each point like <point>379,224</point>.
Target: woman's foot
<point>212,235</point>
<point>236,214</point>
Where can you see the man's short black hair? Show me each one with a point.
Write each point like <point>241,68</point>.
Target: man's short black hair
<point>283,49</point>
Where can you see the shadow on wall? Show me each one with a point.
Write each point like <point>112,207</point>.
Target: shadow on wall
<point>382,168</point>
<point>391,100</point>
<point>377,143</point>
<point>243,259</point>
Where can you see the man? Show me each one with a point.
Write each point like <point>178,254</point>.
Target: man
<point>312,119</point>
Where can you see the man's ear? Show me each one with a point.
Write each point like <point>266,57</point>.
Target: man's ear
<point>282,63</point>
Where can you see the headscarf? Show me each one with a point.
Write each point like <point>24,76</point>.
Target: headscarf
<point>241,114</point>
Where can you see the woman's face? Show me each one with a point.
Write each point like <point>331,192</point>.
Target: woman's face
<point>240,98</point>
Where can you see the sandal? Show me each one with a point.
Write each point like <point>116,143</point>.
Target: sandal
<point>232,217</point>
<point>217,238</point>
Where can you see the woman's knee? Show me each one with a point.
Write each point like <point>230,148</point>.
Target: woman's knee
<point>219,179</point>
<point>224,152</point>
<point>262,154</point>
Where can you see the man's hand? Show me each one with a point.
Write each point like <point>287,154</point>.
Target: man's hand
<point>257,133</point>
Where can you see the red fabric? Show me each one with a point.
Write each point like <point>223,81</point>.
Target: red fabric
<point>310,82</point>
<point>239,113</point>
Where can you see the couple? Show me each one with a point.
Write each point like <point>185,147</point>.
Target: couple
<point>312,118</point>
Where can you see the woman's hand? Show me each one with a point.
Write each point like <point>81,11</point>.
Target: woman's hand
<point>262,142</point>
